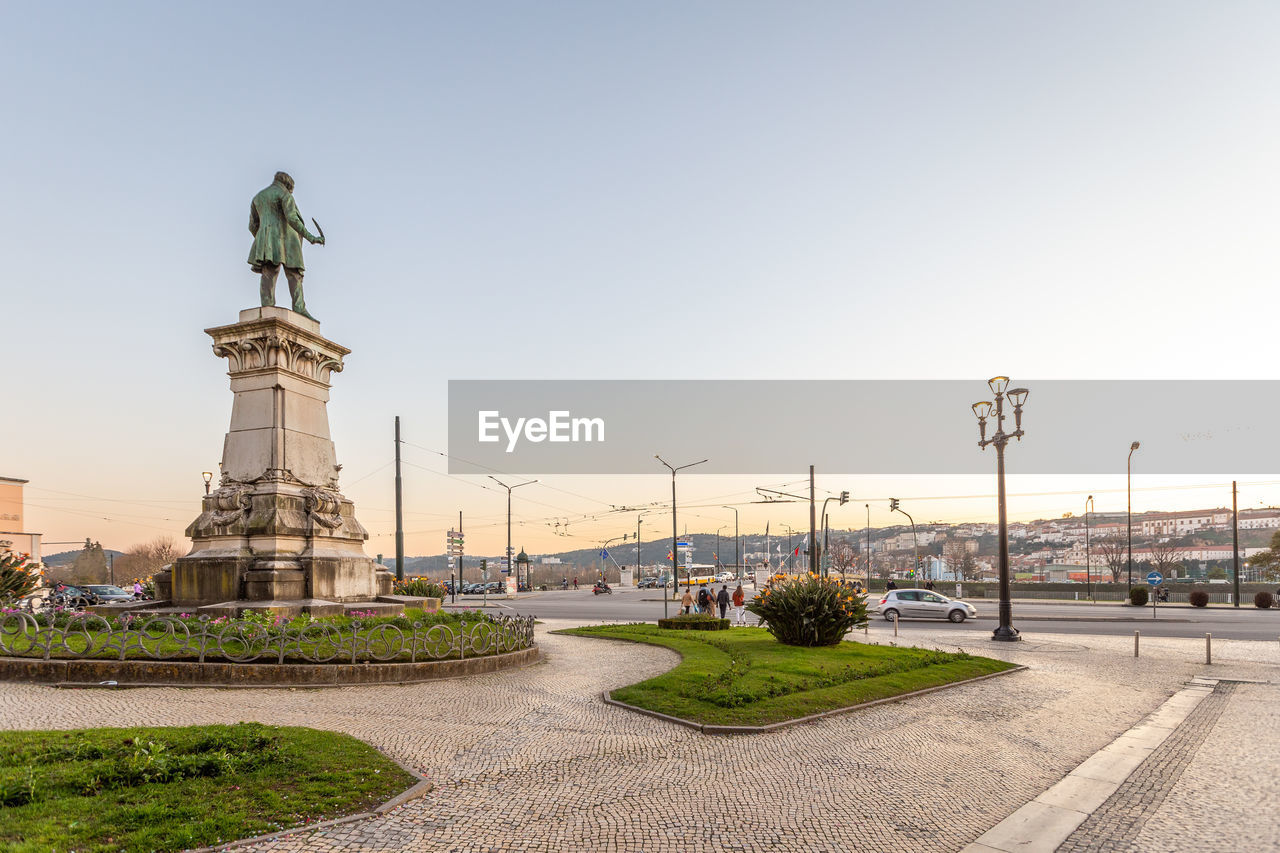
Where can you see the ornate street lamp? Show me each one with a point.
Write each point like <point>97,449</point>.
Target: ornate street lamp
<point>1005,631</point>
<point>208,478</point>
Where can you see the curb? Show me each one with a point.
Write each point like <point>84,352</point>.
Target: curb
<point>1048,820</point>
<point>710,729</point>
<point>100,672</point>
<point>420,789</point>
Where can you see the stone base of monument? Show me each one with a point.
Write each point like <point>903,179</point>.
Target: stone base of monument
<point>391,605</point>
<point>277,535</point>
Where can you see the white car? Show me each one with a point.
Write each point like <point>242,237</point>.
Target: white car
<point>923,604</point>
<point>724,577</point>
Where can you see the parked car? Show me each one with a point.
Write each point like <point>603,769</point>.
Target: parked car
<point>108,594</point>
<point>494,587</point>
<point>923,604</point>
<point>72,597</point>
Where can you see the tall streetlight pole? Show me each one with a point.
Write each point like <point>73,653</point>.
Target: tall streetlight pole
<point>1017,396</point>
<point>509,490</point>
<point>1128,486</point>
<point>1088,582</point>
<point>737,550</point>
<point>915,543</point>
<point>675,536</point>
<point>868,547</point>
<point>399,510</point>
<point>715,555</point>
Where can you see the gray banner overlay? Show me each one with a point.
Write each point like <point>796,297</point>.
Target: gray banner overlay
<point>858,426</point>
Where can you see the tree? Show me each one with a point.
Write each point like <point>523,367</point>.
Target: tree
<point>1116,555</point>
<point>1164,556</point>
<point>961,560</point>
<point>1267,563</point>
<point>144,560</point>
<point>844,556</point>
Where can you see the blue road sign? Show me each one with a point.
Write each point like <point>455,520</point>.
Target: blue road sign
<point>604,555</point>
<point>1155,578</point>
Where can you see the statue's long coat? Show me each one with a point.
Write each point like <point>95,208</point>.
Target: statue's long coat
<point>277,229</point>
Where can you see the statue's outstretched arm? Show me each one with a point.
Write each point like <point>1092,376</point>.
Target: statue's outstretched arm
<point>294,218</point>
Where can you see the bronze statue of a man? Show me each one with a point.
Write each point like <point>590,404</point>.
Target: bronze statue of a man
<point>276,227</point>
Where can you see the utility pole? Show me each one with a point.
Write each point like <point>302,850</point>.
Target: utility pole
<point>664,592</point>
<point>868,547</point>
<point>1235,547</point>
<point>399,511</point>
<point>813,525</point>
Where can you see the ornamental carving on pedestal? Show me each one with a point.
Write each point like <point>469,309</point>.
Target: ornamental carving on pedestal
<point>229,503</point>
<point>323,508</point>
<point>269,350</point>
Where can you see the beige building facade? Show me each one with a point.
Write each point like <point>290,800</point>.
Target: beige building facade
<point>13,535</point>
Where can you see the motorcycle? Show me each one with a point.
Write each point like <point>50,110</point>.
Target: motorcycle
<point>601,589</point>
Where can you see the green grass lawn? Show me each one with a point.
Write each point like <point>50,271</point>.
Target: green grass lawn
<point>175,788</point>
<point>744,676</point>
<point>320,640</point>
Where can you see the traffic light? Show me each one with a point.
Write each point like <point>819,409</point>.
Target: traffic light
<point>893,504</point>
<point>844,498</point>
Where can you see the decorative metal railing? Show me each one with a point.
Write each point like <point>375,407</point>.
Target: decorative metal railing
<point>173,638</point>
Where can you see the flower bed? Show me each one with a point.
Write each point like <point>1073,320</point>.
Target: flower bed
<point>261,637</point>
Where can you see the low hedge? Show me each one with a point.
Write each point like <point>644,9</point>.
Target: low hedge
<point>695,622</point>
<point>1138,596</point>
<point>1198,599</point>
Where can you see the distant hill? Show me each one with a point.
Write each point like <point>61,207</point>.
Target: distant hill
<point>66,558</point>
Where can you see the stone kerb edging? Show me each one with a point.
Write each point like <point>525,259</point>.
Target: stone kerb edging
<point>754,730</point>
<point>90,672</point>
<point>421,788</point>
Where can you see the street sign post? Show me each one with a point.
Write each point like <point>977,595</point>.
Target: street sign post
<point>1155,579</point>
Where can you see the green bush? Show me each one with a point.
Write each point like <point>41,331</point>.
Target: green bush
<point>1263,599</point>
<point>421,587</point>
<point>1138,595</point>
<point>1199,598</point>
<point>695,622</point>
<point>810,611</point>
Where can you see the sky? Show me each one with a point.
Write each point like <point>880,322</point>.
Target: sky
<point>720,190</point>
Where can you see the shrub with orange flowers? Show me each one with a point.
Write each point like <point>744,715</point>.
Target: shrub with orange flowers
<point>18,577</point>
<point>810,610</point>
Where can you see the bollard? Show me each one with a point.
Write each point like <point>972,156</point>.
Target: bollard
<point>895,628</point>
<point>1135,644</point>
<point>1208,648</point>
<point>866,629</point>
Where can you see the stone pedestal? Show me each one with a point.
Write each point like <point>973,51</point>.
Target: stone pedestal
<point>276,534</point>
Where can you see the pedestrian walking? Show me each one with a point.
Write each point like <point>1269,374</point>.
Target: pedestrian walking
<point>739,606</point>
<point>686,603</point>
<point>575,582</point>
<point>702,600</point>
<point>722,599</point>
<point>891,584</point>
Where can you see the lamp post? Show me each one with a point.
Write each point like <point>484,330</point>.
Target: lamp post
<point>915,544</point>
<point>208,478</point>
<point>509,489</point>
<point>675,536</point>
<point>868,547</point>
<point>1128,487</point>
<point>737,551</point>
<point>1005,631</point>
<point>1088,582</point>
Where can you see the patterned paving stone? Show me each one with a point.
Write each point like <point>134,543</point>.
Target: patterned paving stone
<point>533,760</point>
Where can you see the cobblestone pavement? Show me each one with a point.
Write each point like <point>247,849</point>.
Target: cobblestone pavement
<point>533,760</point>
<point>1117,822</point>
